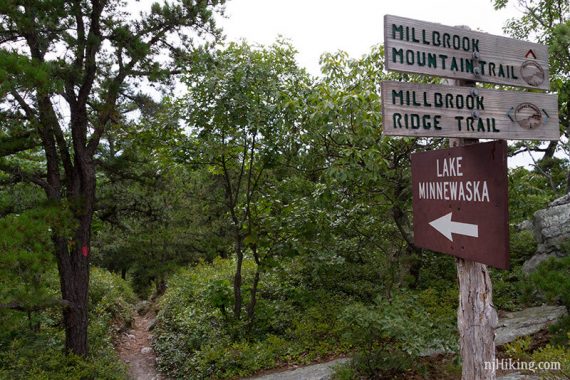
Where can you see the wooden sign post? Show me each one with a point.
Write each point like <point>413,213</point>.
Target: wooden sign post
<point>465,114</point>
<point>477,318</point>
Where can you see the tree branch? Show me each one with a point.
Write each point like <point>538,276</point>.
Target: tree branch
<point>21,175</point>
<point>20,306</point>
<point>14,144</point>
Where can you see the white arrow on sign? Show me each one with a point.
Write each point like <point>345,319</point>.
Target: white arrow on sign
<point>446,227</point>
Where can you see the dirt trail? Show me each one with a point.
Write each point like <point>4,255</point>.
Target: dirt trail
<point>135,349</point>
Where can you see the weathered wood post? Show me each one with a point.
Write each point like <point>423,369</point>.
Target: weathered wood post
<point>476,316</point>
<point>476,321</point>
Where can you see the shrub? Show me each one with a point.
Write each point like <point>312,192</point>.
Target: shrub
<point>111,298</point>
<point>554,354</point>
<point>520,350</point>
<point>522,246</point>
<point>552,278</point>
<point>197,336</point>
<point>38,354</point>
<point>390,335</point>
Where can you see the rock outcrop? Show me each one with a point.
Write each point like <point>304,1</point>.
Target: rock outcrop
<point>551,228</point>
<point>526,322</point>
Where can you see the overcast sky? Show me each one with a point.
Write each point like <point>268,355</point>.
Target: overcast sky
<point>318,26</point>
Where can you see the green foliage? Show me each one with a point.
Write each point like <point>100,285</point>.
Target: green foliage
<point>390,335</point>
<point>440,304</point>
<point>521,350</point>
<point>25,254</point>
<point>522,245</point>
<point>512,289</point>
<point>111,298</point>
<point>528,193</point>
<point>553,354</point>
<point>195,338</point>
<point>552,278</point>
<point>560,332</point>
<point>38,353</point>
<point>295,324</point>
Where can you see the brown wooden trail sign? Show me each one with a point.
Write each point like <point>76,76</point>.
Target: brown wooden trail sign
<point>413,109</point>
<point>421,47</point>
<point>460,202</point>
<point>460,194</point>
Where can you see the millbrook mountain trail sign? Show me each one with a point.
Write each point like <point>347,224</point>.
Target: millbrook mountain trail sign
<point>412,109</point>
<point>460,202</point>
<point>421,47</point>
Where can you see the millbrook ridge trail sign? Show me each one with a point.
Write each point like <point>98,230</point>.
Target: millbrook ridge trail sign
<point>414,109</point>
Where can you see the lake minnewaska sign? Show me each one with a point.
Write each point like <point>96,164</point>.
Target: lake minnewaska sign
<point>421,47</point>
<point>460,202</point>
<point>412,109</point>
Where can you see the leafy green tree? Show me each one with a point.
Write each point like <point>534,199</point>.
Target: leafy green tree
<point>547,22</point>
<point>243,113</point>
<point>65,68</point>
<point>367,174</point>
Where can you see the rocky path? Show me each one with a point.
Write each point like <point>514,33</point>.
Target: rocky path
<point>136,351</point>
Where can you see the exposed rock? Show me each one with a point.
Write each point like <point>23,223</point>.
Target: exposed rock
<point>531,264</point>
<point>324,371</point>
<point>552,225</point>
<point>551,228</point>
<point>151,324</point>
<point>525,226</point>
<point>518,376</point>
<point>321,371</point>
<point>526,322</point>
<point>561,201</point>
<point>146,350</point>
<point>143,307</point>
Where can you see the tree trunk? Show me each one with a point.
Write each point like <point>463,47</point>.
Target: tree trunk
<point>238,279</point>
<point>253,300</point>
<point>74,281</point>
<point>73,258</point>
<point>476,320</point>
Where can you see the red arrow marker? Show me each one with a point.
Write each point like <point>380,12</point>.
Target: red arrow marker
<point>530,52</point>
